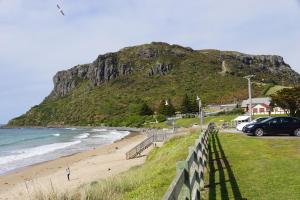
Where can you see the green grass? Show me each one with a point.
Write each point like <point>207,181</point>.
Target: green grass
<point>254,168</point>
<point>187,122</point>
<point>275,89</point>
<point>220,118</point>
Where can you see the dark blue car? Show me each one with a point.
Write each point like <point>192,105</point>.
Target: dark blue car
<point>274,125</point>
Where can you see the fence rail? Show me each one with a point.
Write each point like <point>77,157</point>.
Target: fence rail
<point>153,137</point>
<point>190,173</point>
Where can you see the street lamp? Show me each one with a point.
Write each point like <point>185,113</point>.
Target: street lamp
<point>249,91</point>
<point>200,111</point>
<point>173,119</point>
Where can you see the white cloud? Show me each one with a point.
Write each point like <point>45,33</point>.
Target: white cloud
<point>36,41</point>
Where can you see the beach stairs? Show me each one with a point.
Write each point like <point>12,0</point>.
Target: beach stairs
<point>150,140</point>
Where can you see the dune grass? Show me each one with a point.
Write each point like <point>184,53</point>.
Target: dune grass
<point>246,167</point>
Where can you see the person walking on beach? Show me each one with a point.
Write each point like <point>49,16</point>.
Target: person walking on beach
<point>68,173</point>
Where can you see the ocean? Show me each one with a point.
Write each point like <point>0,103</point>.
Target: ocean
<point>24,146</point>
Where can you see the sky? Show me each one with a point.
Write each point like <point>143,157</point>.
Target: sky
<point>36,41</point>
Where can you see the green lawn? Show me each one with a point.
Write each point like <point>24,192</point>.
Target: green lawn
<point>243,167</point>
<point>275,89</point>
<point>188,122</point>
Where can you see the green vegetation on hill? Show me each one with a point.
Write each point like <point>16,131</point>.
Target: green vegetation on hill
<point>244,167</point>
<point>274,89</point>
<point>105,91</point>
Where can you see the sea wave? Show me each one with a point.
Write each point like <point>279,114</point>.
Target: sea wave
<point>35,151</point>
<point>112,135</point>
<point>24,140</point>
<point>99,130</point>
<point>73,129</point>
<point>83,136</point>
<point>56,134</point>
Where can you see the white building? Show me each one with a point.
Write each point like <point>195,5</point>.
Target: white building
<point>241,119</point>
<point>264,109</point>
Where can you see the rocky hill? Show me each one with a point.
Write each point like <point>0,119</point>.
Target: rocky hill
<point>108,90</point>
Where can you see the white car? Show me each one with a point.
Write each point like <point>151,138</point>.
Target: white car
<point>240,126</point>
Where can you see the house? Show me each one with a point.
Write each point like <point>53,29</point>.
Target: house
<point>255,101</point>
<point>261,106</point>
<point>264,109</point>
<point>261,109</point>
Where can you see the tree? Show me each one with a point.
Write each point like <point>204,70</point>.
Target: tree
<point>194,105</point>
<point>145,109</point>
<point>166,110</point>
<point>288,99</point>
<point>185,105</point>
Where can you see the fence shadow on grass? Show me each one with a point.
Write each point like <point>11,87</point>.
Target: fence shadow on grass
<point>218,164</point>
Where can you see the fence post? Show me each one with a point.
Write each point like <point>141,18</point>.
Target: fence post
<point>186,192</point>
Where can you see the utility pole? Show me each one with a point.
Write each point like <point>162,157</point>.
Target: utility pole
<point>250,93</point>
<point>173,119</point>
<point>200,111</point>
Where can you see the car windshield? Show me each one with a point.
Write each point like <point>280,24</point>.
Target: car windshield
<point>259,119</point>
<point>267,119</point>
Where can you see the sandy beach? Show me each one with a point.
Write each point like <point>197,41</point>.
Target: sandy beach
<point>85,167</point>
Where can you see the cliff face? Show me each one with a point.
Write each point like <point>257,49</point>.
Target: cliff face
<point>150,73</point>
<point>104,68</point>
<point>271,63</point>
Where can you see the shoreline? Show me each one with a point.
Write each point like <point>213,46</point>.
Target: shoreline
<point>131,134</point>
<point>86,166</point>
<point>132,129</point>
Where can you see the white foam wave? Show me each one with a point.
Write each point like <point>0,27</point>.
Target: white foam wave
<point>83,136</point>
<point>56,134</point>
<point>99,130</point>
<point>73,129</point>
<point>35,151</point>
<point>113,135</point>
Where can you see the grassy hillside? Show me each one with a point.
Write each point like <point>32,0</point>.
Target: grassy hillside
<point>275,89</point>
<point>113,101</point>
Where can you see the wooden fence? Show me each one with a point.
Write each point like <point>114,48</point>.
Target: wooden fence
<point>190,173</point>
<point>155,137</point>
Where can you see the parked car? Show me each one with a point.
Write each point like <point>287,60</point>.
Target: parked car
<point>274,125</point>
<point>240,126</point>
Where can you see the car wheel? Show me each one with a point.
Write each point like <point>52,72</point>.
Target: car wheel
<point>259,132</point>
<point>297,132</point>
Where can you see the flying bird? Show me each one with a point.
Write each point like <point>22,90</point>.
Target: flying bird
<point>60,10</point>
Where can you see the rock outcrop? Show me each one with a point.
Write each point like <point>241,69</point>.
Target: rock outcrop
<point>104,68</point>
<point>160,69</point>
<point>263,60</point>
